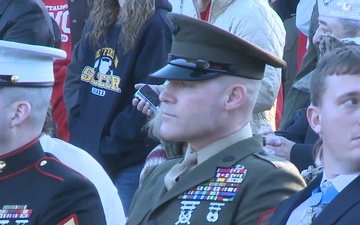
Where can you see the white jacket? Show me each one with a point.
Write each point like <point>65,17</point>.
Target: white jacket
<point>256,22</point>
<point>85,164</point>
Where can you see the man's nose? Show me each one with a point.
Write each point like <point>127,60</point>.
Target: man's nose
<point>316,37</point>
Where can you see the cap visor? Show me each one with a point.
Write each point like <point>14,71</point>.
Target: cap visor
<point>173,72</point>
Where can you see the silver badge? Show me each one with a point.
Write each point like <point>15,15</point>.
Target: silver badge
<point>187,209</point>
<point>213,215</point>
<point>21,222</point>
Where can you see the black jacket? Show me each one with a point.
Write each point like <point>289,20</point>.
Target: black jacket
<point>103,121</point>
<point>37,189</point>
<point>295,98</point>
<point>301,133</point>
<point>342,210</point>
<point>285,8</point>
<point>79,12</point>
<point>25,21</point>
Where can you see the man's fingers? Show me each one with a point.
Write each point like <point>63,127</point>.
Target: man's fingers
<point>135,102</point>
<point>144,107</point>
<point>138,86</point>
<point>149,112</point>
<point>273,140</point>
<point>140,106</point>
<point>265,130</point>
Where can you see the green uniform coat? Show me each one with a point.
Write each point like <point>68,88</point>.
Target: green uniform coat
<point>267,181</point>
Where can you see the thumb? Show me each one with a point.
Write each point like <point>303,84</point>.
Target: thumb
<point>138,86</point>
<point>273,140</point>
<point>265,130</point>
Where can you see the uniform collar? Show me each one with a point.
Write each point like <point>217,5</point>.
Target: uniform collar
<point>20,159</point>
<point>216,147</point>
<point>341,181</point>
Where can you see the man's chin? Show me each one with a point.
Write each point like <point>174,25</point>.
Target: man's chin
<point>170,136</point>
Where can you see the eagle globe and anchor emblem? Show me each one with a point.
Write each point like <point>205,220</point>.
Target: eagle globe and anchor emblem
<point>2,165</point>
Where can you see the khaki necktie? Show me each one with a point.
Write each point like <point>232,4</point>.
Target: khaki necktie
<point>189,162</point>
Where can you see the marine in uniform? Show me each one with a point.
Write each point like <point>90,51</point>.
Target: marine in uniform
<point>225,176</point>
<point>35,187</point>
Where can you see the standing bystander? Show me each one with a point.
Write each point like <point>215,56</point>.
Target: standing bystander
<point>70,17</point>
<point>122,43</point>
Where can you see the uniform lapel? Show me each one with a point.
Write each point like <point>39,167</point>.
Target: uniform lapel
<point>346,199</point>
<point>155,188</point>
<point>207,169</point>
<point>285,209</point>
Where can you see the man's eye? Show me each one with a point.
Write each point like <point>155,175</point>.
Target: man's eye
<point>325,31</point>
<point>351,102</point>
<point>184,84</point>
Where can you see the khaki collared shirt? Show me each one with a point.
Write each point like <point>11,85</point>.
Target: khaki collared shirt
<point>217,146</point>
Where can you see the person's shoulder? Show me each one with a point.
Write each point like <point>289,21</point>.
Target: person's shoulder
<point>274,169</point>
<point>258,11</point>
<point>271,159</point>
<point>159,17</point>
<point>54,170</point>
<point>169,163</point>
<point>16,7</point>
<point>61,148</point>
<point>24,4</point>
<point>75,158</point>
<point>165,166</point>
<point>67,193</point>
<point>274,162</point>
<point>258,6</point>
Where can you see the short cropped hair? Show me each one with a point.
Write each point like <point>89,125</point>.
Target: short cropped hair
<point>351,27</point>
<point>37,97</point>
<point>48,127</point>
<point>340,61</point>
<point>252,87</point>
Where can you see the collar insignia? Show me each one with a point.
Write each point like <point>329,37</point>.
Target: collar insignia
<point>2,165</point>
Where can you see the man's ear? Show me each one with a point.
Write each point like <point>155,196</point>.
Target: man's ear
<point>20,113</point>
<point>314,118</point>
<point>236,95</point>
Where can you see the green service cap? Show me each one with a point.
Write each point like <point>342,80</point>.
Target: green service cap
<point>201,51</point>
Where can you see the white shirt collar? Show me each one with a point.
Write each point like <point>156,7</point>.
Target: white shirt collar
<point>340,181</point>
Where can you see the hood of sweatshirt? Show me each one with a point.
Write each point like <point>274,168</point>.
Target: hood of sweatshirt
<point>163,4</point>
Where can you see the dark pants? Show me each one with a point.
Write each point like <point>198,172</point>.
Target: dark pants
<point>127,182</point>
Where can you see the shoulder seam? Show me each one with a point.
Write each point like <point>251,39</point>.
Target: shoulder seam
<point>45,173</point>
<point>60,163</point>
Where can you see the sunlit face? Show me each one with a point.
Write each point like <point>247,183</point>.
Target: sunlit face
<point>338,123</point>
<point>192,111</point>
<point>329,26</point>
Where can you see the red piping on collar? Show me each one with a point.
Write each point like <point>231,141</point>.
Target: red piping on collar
<point>31,143</point>
<point>17,172</point>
